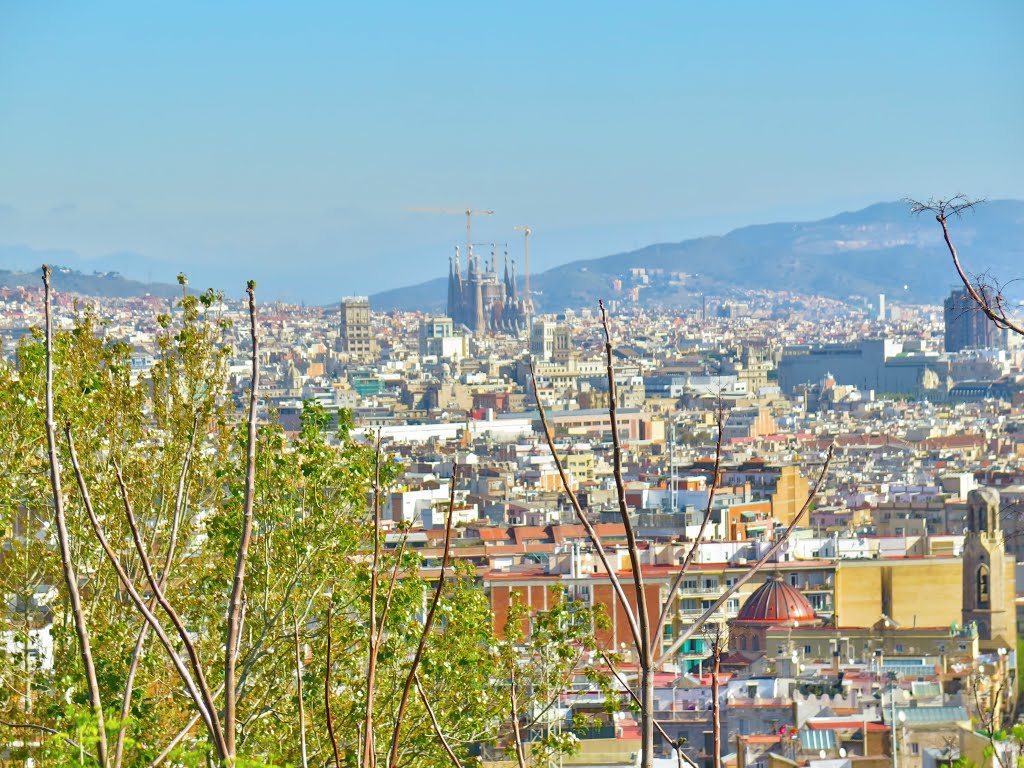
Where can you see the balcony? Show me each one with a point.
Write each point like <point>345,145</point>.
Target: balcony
<point>688,591</point>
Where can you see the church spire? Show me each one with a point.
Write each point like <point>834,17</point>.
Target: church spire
<point>989,590</point>
<point>513,292</point>
<point>480,325</point>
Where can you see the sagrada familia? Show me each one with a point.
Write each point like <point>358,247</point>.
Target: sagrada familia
<point>481,300</point>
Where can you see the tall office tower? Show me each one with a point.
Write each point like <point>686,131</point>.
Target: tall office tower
<point>967,327</point>
<point>550,341</point>
<point>881,307</point>
<point>542,339</point>
<point>357,339</point>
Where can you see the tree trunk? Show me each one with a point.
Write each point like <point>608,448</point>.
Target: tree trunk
<point>238,584</point>
<point>302,709</point>
<point>647,712</point>
<point>716,715</point>
<point>68,568</point>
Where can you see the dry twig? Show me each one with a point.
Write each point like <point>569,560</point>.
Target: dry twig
<point>64,540</point>
<point>427,624</point>
<point>235,606</point>
<point>987,295</point>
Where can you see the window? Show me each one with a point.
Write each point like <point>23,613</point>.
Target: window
<point>807,650</point>
<point>688,604</point>
<point>899,647</point>
<point>710,582</point>
<point>983,593</point>
<point>821,602</point>
<point>689,585</point>
<point>915,748</point>
<point>793,579</point>
<point>732,604</point>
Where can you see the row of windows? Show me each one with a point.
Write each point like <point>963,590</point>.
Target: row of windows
<point>692,604</point>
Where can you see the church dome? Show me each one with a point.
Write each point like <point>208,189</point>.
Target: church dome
<point>776,603</point>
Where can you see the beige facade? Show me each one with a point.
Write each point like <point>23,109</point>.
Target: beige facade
<point>791,491</point>
<point>911,592</point>
<point>357,339</point>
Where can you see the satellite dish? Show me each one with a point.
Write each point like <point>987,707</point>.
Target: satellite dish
<point>842,751</point>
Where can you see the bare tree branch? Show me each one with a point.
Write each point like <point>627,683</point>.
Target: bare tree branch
<point>684,636</point>
<point>181,735</point>
<point>51,731</point>
<point>643,649</point>
<point>302,709</point>
<point>636,699</point>
<point>595,540</point>
<point>716,713</point>
<point>677,583</point>
<point>369,745</point>
<point>427,624</point>
<point>517,734</point>
<point>158,595</point>
<point>64,541</point>
<point>140,641</point>
<point>988,298</point>
<point>433,722</point>
<point>327,691</point>
<point>133,594</point>
<point>234,628</point>
<point>393,581</point>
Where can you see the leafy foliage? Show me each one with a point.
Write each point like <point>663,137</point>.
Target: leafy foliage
<point>182,451</point>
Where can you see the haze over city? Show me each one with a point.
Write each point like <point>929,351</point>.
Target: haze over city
<point>244,140</point>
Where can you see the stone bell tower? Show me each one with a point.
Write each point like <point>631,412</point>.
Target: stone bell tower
<point>989,575</point>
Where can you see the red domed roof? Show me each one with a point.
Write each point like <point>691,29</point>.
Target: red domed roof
<point>776,603</point>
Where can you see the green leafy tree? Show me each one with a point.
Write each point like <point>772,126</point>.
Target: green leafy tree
<point>540,655</point>
<point>160,475</point>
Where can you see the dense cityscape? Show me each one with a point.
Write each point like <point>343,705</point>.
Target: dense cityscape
<point>512,385</point>
<point>892,601</point>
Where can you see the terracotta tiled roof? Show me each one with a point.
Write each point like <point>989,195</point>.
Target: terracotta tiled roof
<point>775,602</point>
<point>493,534</point>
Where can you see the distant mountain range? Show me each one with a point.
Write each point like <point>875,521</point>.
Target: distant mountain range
<point>880,249</point>
<point>103,284</point>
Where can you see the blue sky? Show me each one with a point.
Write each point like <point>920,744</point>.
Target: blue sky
<point>286,141</point>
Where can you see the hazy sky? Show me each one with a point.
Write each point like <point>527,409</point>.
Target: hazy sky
<point>285,141</point>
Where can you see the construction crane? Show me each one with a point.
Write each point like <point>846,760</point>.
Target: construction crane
<point>526,262</point>
<point>469,214</point>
